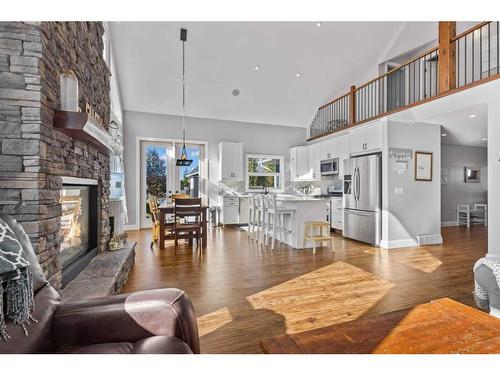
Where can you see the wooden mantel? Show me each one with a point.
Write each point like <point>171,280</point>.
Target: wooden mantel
<point>79,125</point>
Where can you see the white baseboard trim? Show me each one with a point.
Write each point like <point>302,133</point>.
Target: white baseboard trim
<point>398,243</point>
<point>449,223</point>
<point>127,227</point>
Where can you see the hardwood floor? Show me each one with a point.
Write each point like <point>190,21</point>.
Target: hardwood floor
<point>243,294</point>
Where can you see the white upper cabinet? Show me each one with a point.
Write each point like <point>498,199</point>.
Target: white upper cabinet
<point>314,162</point>
<point>231,161</point>
<point>341,152</point>
<point>356,140</point>
<point>299,164</point>
<point>373,137</point>
<point>237,161</point>
<point>327,149</point>
<point>365,139</point>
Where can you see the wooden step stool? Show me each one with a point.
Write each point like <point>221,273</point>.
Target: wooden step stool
<point>309,233</point>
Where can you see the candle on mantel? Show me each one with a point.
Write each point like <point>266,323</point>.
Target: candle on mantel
<point>69,91</point>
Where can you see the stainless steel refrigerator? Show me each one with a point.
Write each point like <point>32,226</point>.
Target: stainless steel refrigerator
<point>363,198</point>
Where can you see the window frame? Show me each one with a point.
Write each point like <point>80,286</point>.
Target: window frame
<point>280,174</point>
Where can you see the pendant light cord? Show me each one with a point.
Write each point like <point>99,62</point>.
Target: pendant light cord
<point>183,95</point>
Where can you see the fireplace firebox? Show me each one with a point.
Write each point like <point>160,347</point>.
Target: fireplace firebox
<point>78,231</point>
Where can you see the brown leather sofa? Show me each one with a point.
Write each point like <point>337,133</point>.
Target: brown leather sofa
<point>158,321</point>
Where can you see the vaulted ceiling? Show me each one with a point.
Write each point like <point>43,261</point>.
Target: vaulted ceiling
<point>222,57</point>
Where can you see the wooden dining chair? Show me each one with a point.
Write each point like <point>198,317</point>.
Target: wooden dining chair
<point>192,229</point>
<point>155,218</point>
<point>153,208</point>
<point>180,196</point>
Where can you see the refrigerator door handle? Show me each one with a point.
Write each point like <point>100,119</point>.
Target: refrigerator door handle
<point>358,184</point>
<point>354,184</point>
<point>358,213</point>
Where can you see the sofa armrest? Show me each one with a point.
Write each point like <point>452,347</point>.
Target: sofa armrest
<point>127,318</point>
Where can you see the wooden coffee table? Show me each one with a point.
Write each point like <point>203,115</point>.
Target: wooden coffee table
<point>441,326</point>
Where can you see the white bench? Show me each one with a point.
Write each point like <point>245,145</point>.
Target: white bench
<point>477,214</point>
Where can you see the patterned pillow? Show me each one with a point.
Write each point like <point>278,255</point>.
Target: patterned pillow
<point>11,251</point>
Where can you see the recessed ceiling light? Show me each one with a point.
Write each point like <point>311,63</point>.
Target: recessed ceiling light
<point>257,67</point>
<point>444,134</point>
<point>472,116</point>
<point>236,92</point>
<point>485,139</point>
<point>318,24</point>
<point>297,75</point>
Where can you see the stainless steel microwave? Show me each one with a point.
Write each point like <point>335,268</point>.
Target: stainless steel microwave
<point>329,167</point>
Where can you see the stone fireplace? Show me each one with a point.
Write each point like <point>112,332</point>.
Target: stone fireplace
<point>78,230</point>
<point>37,160</point>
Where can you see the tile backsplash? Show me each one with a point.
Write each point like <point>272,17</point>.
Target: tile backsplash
<point>238,187</point>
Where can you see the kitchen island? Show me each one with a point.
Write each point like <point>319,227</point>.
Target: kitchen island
<point>305,209</point>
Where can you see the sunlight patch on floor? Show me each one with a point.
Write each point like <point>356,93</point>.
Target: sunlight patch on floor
<point>416,258</point>
<point>337,293</point>
<point>422,260</point>
<point>211,322</point>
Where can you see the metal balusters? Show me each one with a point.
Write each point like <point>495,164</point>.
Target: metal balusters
<point>414,81</point>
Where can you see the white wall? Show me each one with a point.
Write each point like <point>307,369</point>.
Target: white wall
<point>257,138</point>
<point>494,174</point>
<point>456,191</point>
<point>418,210</point>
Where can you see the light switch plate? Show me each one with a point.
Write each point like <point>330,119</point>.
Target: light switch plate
<point>399,190</point>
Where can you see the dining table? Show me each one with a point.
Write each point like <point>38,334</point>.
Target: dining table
<point>168,209</point>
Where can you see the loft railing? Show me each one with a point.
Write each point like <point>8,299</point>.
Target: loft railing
<point>331,117</point>
<point>458,62</point>
<point>477,53</point>
<point>407,84</point>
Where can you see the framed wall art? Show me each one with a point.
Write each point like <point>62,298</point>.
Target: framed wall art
<point>423,166</point>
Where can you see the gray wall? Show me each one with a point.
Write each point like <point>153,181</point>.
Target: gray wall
<point>416,211</point>
<point>455,158</point>
<point>257,138</point>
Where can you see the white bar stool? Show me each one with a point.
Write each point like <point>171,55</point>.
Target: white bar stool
<point>275,225</point>
<point>252,212</point>
<point>260,214</point>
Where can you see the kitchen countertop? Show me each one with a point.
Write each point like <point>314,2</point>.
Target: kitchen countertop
<point>298,198</point>
<point>283,197</point>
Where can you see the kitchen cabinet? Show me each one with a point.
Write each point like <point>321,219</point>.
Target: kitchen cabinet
<point>299,164</point>
<point>231,161</point>
<point>336,220</point>
<point>327,149</point>
<point>365,139</point>
<point>341,152</point>
<point>244,207</point>
<point>314,162</point>
<point>230,212</point>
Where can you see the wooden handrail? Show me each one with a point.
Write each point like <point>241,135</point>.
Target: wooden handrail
<point>333,101</point>
<point>472,29</point>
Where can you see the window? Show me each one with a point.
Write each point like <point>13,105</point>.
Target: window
<point>264,171</point>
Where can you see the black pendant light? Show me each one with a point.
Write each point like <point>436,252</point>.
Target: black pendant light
<point>183,161</point>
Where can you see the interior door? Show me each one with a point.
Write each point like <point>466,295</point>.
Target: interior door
<point>395,89</point>
<point>156,175</point>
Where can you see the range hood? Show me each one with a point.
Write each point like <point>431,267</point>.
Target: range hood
<point>81,126</point>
